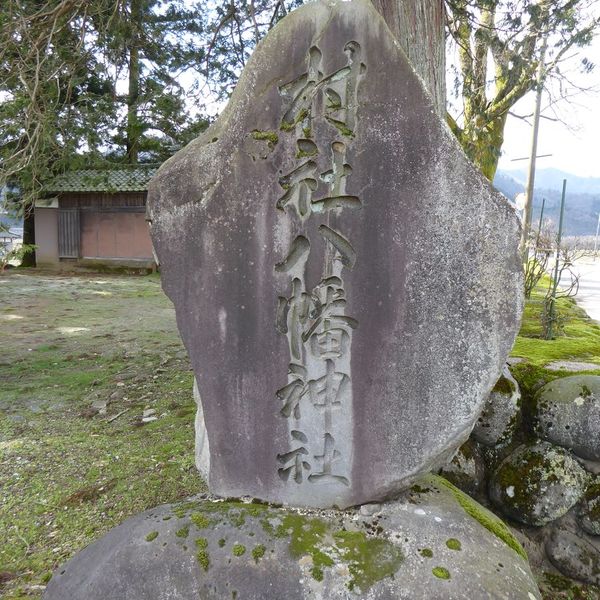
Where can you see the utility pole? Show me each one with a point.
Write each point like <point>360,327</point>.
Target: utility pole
<point>596,238</point>
<point>528,212</point>
<point>552,304</point>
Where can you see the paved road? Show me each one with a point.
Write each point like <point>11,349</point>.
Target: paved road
<point>588,297</point>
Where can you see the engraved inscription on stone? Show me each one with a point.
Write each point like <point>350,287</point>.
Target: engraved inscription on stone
<point>315,321</point>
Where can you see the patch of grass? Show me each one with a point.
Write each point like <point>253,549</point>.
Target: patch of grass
<point>67,475</point>
<point>579,341</point>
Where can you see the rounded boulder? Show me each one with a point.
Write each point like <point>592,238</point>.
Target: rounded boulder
<point>567,413</point>
<point>433,542</point>
<point>501,412</point>
<point>537,484</point>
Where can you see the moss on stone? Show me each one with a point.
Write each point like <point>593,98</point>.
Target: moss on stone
<point>202,555</point>
<point>306,132</point>
<point>518,477</point>
<point>305,154</point>
<point>152,536</point>
<point>441,572</point>
<point>183,532</point>
<point>341,127</point>
<point>233,512</point>
<point>221,542</point>
<point>306,536</point>
<point>258,552</point>
<point>454,544</point>
<point>591,498</point>
<point>484,517</point>
<point>585,391</point>
<point>417,489</point>
<point>504,386</point>
<point>238,550</point>
<point>369,559</point>
<point>268,136</point>
<point>287,126</point>
<point>183,508</point>
<point>199,520</point>
<point>426,552</point>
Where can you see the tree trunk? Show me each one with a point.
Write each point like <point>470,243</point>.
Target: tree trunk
<point>133,125</point>
<point>29,236</point>
<point>419,27</point>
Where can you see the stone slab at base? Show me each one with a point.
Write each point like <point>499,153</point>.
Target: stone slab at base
<point>432,543</point>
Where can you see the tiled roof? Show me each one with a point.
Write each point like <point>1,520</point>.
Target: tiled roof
<point>134,179</point>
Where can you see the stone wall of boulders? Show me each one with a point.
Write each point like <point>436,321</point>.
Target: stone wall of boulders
<point>535,461</point>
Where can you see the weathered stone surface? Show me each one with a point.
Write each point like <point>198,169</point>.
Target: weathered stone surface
<point>574,555</point>
<point>588,514</point>
<point>501,413</point>
<point>467,469</point>
<point>568,414</point>
<point>346,283</point>
<point>202,450</point>
<point>435,542</point>
<point>537,484</point>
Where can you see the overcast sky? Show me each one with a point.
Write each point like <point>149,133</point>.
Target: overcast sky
<point>574,145</point>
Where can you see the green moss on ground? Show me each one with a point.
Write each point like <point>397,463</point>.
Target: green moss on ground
<point>580,339</point>
<point>152,536</point>
<point>238,550</point>
<point>68,475</point>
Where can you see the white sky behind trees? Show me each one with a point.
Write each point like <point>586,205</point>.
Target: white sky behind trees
<point>574,140</point>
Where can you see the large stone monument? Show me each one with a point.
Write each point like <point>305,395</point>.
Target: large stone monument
<point>346,283</point>
<point>348,287</point>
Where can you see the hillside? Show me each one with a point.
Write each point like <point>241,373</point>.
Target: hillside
<point>582,200</point>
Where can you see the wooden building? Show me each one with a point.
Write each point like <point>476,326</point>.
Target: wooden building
<point>95,219</point>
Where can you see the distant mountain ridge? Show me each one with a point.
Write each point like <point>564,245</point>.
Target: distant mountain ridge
<point>582,203</point>
<point>549,179</point>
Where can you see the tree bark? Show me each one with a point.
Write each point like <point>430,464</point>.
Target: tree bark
<point>133,125</point>
<point>29,236</point>
<point>419,27</point>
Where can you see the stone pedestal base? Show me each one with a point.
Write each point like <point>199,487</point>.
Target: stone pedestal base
<point>432,543</point>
